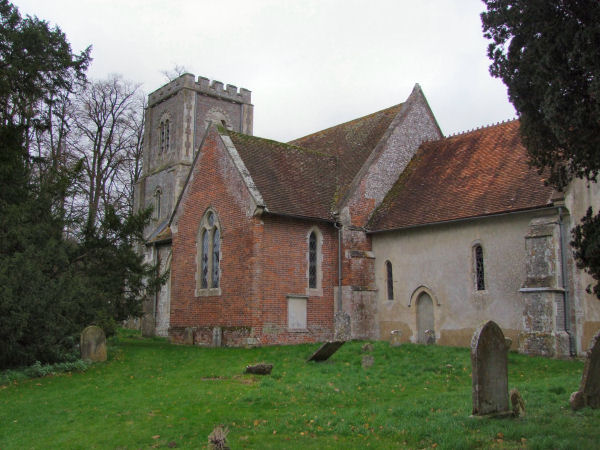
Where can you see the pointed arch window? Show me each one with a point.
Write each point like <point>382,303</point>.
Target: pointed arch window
<point>479,267</point>
<point>157,203</point>
<point>314,257</point>
<point>389,280</point>
<point>208,274</point>
<point>312,261</point>
<point>165,135</point>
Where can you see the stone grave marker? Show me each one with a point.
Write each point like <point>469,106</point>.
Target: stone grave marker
<point>589,389</point>
<point>429,337</point>
<point>395,338</point>
<point>367,361</point>
<point>93,344</point>
<point>489,360</point>
<point>326,350</point>
<point>188,336</point>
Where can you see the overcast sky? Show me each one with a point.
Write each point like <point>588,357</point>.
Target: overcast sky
<point>310,64</point>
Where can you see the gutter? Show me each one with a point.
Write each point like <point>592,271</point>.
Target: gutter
<point>463,219</point>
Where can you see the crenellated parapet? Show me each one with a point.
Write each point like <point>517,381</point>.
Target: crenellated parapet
<point>203,86</point>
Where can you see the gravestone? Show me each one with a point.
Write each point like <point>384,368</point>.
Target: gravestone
<point>188,336</point>
<point>217,336</point>
<point>429,337</point>
<point>518,405</point>
<point>93,344</point>
<point>489,358</point>
<point>367,361</point>
<point>589,389</point>
<point>395,338</point>
<point>325,351</point>
<point>259,369</point>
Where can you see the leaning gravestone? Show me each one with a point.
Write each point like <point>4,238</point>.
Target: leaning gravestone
<point>489,358</point>
<point>325,351</point>
<point>589,389</point>
<point>93,344</point>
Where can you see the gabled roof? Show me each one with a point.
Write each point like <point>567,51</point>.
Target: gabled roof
<point>352,142</point>
<point>474,174</point>
<point>291,180</point>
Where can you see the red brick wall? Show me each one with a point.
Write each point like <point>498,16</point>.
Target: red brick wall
<point>284,271</point>
<point>263,259</point>
<point>230,200</point>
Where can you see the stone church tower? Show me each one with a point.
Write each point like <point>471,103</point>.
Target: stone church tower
<point>177,117</point>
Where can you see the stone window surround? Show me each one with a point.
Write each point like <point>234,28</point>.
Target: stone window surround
<point>318,290</point>
<point>204,226</point>
<point>164,133</point>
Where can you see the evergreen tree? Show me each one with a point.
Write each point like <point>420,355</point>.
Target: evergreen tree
<point>51,286</point>
<point>546,52</point>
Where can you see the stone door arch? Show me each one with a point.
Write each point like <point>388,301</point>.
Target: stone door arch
<point>425,319</point>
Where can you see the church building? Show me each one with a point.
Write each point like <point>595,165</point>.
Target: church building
<point>377,228</point>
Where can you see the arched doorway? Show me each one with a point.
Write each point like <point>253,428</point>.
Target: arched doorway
<point>425,319</point>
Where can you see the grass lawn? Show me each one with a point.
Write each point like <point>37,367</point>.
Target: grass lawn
<point>151,394</point>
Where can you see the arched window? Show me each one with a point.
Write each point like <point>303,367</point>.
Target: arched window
<point>312,261</point>
<point>208,275</point>
<point>314,241</point>
<point>479,269</point>
<point>157,203</point>
<point>389,280</point>
<point>165,135</point>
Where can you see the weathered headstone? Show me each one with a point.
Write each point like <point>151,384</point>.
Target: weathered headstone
<point>259,369</point>
<point>188,336</point>
<point>93,344</point>
<point>518,405</point>
<point>489,358</point>
<point>395,338</point>
<point>367,361</point>
<point>343,330</point>
<point>325,351</point>
<point>429,337</point>
<point>217,336</point>
<point>589,389</point>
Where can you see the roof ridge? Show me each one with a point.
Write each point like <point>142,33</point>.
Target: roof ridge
<point>482,127</point>
<point>347,122</point>
<point>274,142</point>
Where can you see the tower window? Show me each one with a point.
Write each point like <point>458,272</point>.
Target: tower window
<point>165,135</point>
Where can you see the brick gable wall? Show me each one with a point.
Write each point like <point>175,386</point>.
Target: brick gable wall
<point>263,260</point>
<point>216,184</point>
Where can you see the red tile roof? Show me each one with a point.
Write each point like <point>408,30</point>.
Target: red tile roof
<point>352,142</point>
<point>473,174</point>
<point>292,180</point>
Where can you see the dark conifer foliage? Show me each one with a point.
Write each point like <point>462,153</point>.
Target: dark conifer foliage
<point>546,52</point>
<point>52,283</point>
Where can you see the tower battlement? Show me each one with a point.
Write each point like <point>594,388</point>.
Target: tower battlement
<point>203,86</point>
